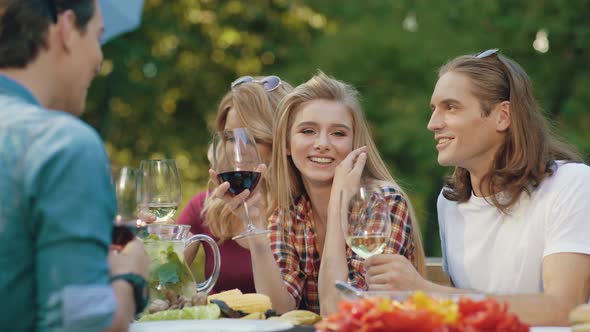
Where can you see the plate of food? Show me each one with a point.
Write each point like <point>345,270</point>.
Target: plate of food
<point>226,311</point>
<point>219,325</point>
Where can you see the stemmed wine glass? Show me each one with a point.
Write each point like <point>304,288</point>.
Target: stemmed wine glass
<point>159,189</point>
<point>127,222</point>
<point>235,159</point>
<point>367,227</point>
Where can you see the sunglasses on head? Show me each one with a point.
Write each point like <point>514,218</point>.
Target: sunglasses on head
<point>269,83</point>
<point>487,53</point>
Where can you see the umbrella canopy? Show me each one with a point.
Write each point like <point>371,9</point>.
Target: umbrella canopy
<point>120,16</point>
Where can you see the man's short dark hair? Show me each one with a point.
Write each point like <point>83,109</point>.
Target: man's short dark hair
<point>24,25</point>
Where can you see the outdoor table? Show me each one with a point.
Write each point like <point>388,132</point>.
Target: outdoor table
<point>301,328</point>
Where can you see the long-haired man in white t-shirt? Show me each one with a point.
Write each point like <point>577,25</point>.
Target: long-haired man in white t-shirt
<point>514,215</point>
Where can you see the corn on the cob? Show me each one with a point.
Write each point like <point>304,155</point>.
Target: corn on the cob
<point>224,296</point>
<point>249,303</point>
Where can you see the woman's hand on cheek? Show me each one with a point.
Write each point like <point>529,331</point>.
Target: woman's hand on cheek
<point>348,174</point>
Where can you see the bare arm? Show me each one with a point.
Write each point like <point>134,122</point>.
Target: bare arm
<point>132,259</point>
<point>267,276</point>
<point>566,280</point>
<point>334,266</point>
<point>125,306</point>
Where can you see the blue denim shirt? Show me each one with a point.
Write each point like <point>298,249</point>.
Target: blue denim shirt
<point>57,206</point>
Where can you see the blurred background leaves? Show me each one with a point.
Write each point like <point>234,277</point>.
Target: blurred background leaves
<point>159,86</point>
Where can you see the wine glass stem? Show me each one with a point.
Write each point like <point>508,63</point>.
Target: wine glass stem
<point>250,226</point>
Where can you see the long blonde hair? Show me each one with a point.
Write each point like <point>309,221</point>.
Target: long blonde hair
<point>286,180</point>
<point>256,109</point>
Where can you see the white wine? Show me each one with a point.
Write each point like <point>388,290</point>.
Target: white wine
<point>162,211</point>
<point>367,245</point>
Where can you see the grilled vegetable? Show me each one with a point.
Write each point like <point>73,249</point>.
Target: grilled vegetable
<point>227,311</point>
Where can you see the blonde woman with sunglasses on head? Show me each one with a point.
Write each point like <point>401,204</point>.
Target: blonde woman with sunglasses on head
<point>251,103</point>
<point>322,151</point>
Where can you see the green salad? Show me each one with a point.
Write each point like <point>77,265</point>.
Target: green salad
<point>209,311</point>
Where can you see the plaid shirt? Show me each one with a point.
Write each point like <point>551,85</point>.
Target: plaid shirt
<point>293,243</point>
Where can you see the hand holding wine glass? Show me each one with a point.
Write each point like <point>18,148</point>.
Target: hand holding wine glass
<point>254,200</point>
<point>237,162</point>
<point>368,226</point>
<point>127,222</point>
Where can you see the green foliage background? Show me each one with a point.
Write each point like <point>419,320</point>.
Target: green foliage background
<point>159,86</point>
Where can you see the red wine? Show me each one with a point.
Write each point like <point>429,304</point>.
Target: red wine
<point>123,233</point>
<point>240,180</point>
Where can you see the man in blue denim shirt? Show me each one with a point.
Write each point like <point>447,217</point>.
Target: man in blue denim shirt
<point>57,204</point>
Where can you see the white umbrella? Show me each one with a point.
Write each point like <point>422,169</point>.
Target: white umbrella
<point>120,16</point>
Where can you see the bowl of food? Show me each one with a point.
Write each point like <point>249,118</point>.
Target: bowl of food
<point>402,296</point>
<point>418,311</point>
<point>352,293</point>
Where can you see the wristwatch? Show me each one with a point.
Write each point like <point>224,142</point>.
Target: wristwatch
<point>140,289</point>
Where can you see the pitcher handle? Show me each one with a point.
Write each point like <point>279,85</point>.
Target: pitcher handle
<point>206,285</point>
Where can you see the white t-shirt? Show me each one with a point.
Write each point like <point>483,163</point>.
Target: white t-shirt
<point>492,252</point>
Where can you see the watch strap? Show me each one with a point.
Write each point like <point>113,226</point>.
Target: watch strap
<point>140,291</point>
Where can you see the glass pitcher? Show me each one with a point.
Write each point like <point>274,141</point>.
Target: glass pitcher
<point>170,252</point>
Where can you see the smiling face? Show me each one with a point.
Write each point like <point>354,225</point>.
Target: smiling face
<point>464,136</point>
<point>321,136</point>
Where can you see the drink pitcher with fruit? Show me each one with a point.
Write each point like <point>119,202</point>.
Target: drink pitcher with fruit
<point>171,252</point>
<point>169,247</point>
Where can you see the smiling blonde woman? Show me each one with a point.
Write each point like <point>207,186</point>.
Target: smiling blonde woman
<point>322,150</point>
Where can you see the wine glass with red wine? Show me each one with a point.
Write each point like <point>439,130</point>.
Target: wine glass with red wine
<point>235,159</point>
<point>127,222</point>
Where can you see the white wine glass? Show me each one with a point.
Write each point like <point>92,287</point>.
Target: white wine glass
<point>235,159</point>
<point>159,189</point>
<point>367,228</point>
<point>127,222</point>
